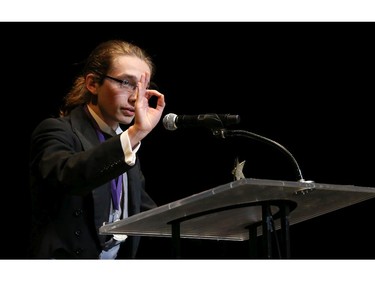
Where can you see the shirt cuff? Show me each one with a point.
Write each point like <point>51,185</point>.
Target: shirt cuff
<point>130,154</point>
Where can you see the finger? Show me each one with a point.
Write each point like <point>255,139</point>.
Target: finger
<point>136,93</point>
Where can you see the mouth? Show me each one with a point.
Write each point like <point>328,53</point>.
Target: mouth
<point>127,111</point>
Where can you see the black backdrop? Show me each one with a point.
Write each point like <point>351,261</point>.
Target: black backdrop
<point>307,86</point>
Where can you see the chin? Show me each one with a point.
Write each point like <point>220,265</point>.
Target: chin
<point>126,120</point>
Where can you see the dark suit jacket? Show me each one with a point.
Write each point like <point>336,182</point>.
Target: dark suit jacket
<point>70,173</point>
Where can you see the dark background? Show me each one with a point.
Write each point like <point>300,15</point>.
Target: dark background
<point>307,86</point>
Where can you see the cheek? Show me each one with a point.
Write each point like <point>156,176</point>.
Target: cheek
<point>120,98</point>
<point>113,97</point>
<point>116,93</point>
<point>107,101</point>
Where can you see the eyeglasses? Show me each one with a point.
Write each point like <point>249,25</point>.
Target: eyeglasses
<point>124,84</point>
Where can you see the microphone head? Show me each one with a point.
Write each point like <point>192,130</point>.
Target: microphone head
<point>169,121</point>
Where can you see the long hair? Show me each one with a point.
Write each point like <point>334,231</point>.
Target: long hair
<point>99,63</point>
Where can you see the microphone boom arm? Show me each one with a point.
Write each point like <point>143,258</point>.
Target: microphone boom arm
<point>234,133</point>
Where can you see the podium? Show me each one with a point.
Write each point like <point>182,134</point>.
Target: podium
<point>242,210</point>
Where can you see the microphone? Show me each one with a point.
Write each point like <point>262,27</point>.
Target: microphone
<point>172,121</point>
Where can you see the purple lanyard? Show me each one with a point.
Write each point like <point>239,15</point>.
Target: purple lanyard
<point>116,187</point>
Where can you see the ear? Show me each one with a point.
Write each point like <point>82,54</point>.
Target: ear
<point>91,83</point>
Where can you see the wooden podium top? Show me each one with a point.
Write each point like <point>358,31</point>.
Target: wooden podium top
<point>225,212</point>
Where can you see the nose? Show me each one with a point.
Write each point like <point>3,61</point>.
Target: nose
<point>133,96</point>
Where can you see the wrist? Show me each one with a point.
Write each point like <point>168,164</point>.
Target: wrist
<point>135,135</point>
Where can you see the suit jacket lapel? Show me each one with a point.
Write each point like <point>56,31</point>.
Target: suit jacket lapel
<point>87,135</point>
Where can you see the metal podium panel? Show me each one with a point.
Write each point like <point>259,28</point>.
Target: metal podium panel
<point>226,211</point>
